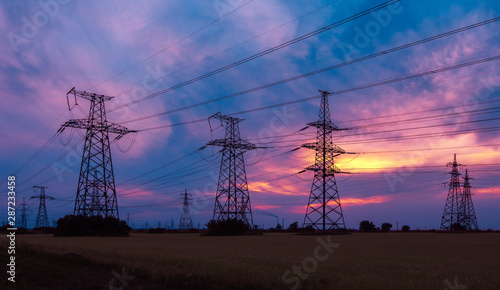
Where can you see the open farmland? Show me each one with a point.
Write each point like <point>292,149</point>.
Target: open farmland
<point>356,261</point>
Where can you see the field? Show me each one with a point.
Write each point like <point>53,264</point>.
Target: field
<point>191,261</point>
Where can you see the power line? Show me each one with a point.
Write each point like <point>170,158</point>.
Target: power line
<point>371,85</point>
<point>311,73</point>
<point>239,44</point>
<point>260,54</point>
<point>174,44</point>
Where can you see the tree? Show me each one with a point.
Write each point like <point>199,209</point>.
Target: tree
<point>77,225</point>
<point>386,227</point>
<point>228,227</point>
<point>405,228</point>
<point>366,226</point>
<point>293,227</point>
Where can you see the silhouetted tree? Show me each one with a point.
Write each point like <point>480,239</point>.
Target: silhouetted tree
<point>308,228</point>
<point>405,228</point>
<point>366,226</point>
<point>386,227</point>
<point>77,225</point>
<point>227,227</point>
<point>293,227</point>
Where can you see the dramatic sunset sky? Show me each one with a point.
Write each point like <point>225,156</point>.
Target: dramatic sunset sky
<point>404,132</point>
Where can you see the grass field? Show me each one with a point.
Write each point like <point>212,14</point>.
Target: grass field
<point>355,261</point>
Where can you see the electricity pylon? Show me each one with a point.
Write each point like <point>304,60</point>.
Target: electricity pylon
<point>96,192</point>
<point>232,200</point>
<point>42,219</point>
<point>469,215</point>
<point>185,223</point>
<point>453,213</point>
<point>24,221</point>
<point>324,211</point>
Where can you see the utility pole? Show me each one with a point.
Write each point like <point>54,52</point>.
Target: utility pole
<point>96,192</point>
<point>232,200</point>
<point>324,211</point>
<point>185,223</point>
<point>470,220</point>
<point>42,219</point>
<point>452,214</point>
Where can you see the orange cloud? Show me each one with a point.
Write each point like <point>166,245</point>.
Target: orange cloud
<point>350,201</point>
<point>486,193</point>
<point>264,207</point>
<point>346,202</point>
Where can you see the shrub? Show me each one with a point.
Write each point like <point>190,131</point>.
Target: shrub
<point>405,228</point>
<point>293,227</point>
<point>228,227</point>
<point>307,229</point>
<point>78,225</point>
<point>386,227</point>
<point>366,226</point>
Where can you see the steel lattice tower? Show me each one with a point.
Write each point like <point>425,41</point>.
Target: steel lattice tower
<point>185,223</point>
<point>42,219</point>
<point>467,207</point>
<point>453,213</point>
<point>324,211</point>
<point>24,221</point>
<point>232,200</point>
<point>96,192</point>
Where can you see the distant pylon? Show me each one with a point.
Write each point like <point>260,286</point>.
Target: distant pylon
<point>469,215</point>
<point>96,192</point>
<point>232,200</point>
<point>324,211</point>
<point>24,221</point>
<point>453,214</point>
<point>185,223</point>
<point>42,219</point>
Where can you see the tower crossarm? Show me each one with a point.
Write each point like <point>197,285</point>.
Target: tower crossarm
<point>88,95</point>
<point>329,125</point>
<point>95,125</point>
<point>331,170</point>
<point>329,147</point>
<point>240,144</point>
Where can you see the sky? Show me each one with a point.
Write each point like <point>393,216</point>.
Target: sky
<point>408,110</point>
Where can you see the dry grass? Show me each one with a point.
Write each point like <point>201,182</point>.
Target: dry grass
<point>363,260</point>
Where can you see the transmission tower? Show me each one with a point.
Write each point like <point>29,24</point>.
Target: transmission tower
<point>453,213</point>
<point>324,211</point>
<point>24,221</point>
<point>185,223</point>
<point>42,219</point>
<point>232,200</point>
<point>96,192</point>
<point>469,215</point>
